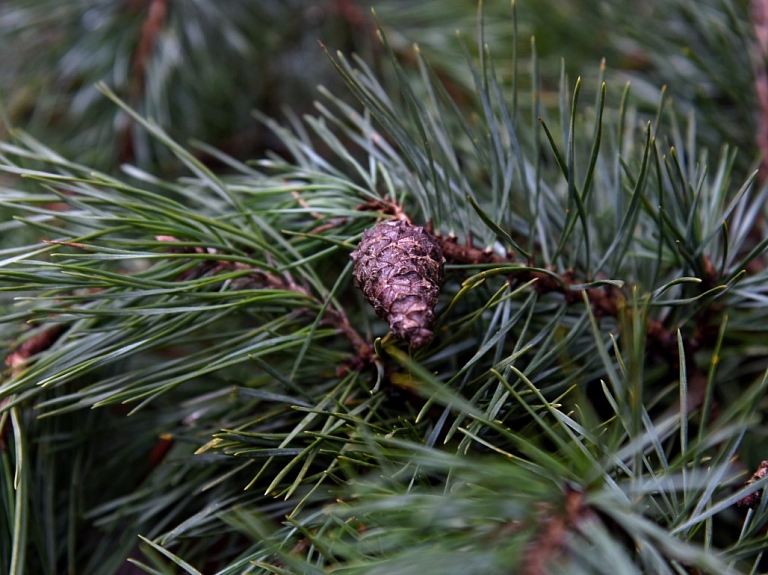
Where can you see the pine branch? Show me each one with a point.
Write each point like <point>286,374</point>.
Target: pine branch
<point>594,381</point>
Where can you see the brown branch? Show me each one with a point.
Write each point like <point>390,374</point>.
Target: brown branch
<point>457,253</point>
<point>332,223</point>
<point>387,206</point>
<point>360,22</point>
<point>753,499</point>
<point>341,322</point>
<point>548,544</point>
<point>605,301</point>
<point>37,343</point>
<point>154,22</point>
<point>16,359</point>
<point>352,13</point>
<point>608,301</point>
<point>334,317</point>
<point>760,56</point>
<point>76,245</point>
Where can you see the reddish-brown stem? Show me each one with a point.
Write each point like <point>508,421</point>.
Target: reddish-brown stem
<point>607,301</point>
<point>753,499</point>
<point>34,345</point>
<point>548,544</point>
<point>760,61</point>
<point>157,14</point>
<point>154,22</point>
<point>334,317</point>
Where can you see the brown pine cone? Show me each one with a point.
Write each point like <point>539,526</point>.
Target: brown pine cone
<point>399,268</point>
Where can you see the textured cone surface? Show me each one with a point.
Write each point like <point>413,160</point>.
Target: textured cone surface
<point>399,268</point>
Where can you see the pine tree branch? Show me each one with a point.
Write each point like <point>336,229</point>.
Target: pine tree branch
<point>753,499</point>
<point>546,547</point>
<point>154,22</point>
<point>152,26</point>
<point>38,343</point>
<point>546,373</point>
<point>335,317</point>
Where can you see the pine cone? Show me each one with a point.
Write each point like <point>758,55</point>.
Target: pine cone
<point>399,268</point>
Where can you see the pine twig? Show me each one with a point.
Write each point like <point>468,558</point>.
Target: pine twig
<point>333,223</point>
<point>606,301</point>
<point>157,15</point>
<point>34,345</point>
<point>17,358</point>
<point>457,253</point>
<point>548,544</point>
<point>760,28</point>
<point>334,316</point>
<point>753,499</point>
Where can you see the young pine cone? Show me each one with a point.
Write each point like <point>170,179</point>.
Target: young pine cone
<point>399,268</point>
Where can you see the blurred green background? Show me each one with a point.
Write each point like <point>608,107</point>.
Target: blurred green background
<point>199,67</point>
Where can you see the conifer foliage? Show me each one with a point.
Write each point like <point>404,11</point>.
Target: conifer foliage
<point>571,376</point>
